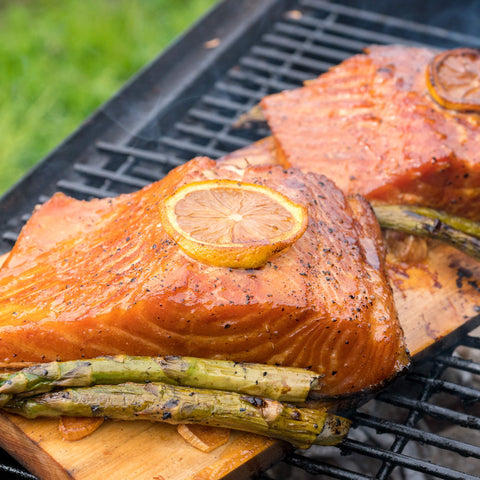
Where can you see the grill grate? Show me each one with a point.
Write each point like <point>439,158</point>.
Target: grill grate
<point>427,424</point>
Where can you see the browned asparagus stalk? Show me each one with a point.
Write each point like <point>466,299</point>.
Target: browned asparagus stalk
<point>158,402</point>
<point>461,233</point>
<point>277,383</point>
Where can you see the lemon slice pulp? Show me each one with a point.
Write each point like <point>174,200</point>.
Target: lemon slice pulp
<point>453,79</point>
<point>232,224</point>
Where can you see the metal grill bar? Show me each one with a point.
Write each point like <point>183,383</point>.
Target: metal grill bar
<point>210,117</point>
<point>85,191</point>
<point>333,54</point>
<point>296,61</point>
<point>239,91</point>
<point>385,426</point>
<point>469,341</point>
<point>386,20</point>
<point>415,464</point>
<point>364,36</point>
<point>467,393</point>
<point>235,142</point>
<point>459,363</point>
<point>314,467</point>
<point>151,174</point>
<point>10,236</point>
<point>270,69</point>
<point>139,153</point>
<point>464,420</point>
<point>16,473</point>
<point>114,176</point>
<point>223,103</point>
<point>268,83</point>
<point>320,36</point>
<point>193,148</point>
<point>412,420</point>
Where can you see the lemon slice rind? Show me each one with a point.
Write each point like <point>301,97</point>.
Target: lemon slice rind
<point>439,91</point>
<point>251,254</point>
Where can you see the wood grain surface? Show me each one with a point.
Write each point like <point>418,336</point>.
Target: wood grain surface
<point>131,451</point>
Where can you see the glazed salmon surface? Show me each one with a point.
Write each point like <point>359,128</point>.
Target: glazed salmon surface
<point>102,277</point>
<point>370,125</point>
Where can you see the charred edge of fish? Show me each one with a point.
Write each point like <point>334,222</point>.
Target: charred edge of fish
<point>343,400</point>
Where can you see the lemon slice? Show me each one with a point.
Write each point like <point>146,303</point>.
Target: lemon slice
<point>232,224</point>
<point>453,79</point>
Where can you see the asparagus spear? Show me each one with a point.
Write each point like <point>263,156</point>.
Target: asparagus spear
<point>458,232</point>
<point>463,224</point>
<point>277,383</point>
<point>172,404</point>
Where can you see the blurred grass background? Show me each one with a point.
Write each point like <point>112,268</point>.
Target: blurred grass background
<point>61,59</point>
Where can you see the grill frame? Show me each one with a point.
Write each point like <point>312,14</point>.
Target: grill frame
<point>173,110</point>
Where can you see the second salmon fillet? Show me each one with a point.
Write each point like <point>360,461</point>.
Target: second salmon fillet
<point>371,126</point>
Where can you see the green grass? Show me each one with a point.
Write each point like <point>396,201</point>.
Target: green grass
<point>59,60</point>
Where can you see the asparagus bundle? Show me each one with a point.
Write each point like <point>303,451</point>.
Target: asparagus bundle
<point>461,233</point>
<point>211,392</point>
<point>302,427</point>
<point>277,383</point>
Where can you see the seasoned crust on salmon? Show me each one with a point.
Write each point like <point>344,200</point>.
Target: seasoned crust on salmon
<point>371,126</point>
<point>109,280</point>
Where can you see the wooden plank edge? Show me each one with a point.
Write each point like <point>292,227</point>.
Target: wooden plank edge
<point>28,452</point>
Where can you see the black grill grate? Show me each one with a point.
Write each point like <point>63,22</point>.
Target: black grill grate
<point>430,421</point>
<point>427,424</point>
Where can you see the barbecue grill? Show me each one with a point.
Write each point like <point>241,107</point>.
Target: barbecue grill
<point>186,103</point>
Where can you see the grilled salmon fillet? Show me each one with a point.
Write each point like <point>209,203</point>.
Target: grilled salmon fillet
<point>371,126</point>
<point>103,277</point>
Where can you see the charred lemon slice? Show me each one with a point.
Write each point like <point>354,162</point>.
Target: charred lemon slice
<point>232,224</point>
<point>453,79</point>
